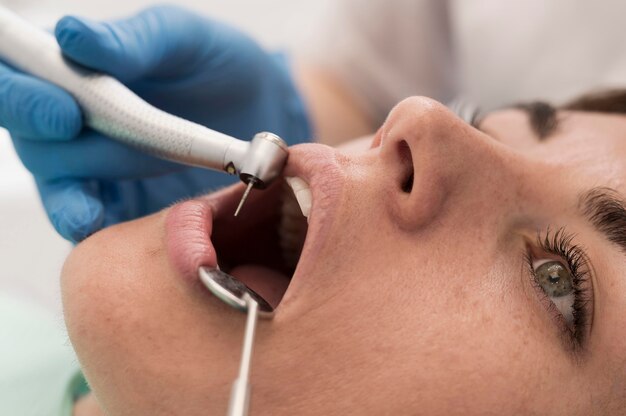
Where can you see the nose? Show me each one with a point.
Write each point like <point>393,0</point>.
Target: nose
<point>436,161</point>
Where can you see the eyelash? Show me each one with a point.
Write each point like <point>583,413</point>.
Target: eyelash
<point>560,244</point>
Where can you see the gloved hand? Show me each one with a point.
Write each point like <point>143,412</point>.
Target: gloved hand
<point>185,64</point>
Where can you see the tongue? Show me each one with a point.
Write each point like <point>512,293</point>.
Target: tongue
<point>268,283</point>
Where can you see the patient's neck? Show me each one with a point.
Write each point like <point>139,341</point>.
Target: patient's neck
<point>87,406</point>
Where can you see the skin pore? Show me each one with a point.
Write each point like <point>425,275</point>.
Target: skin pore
<point>418,298</point>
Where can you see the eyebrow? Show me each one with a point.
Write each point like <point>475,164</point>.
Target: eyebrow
<point>542,117</point>
<point>604,208</point>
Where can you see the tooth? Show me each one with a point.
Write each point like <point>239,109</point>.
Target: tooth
<point>292,229</point>
<point>303,194</point>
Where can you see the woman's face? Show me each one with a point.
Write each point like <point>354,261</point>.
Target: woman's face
<point>414,292</point>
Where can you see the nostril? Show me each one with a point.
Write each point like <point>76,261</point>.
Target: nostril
<point>406,162</point>
<point>407,186</point>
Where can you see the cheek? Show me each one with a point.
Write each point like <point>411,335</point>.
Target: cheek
<point>144,341</point>
<point>441,330</point>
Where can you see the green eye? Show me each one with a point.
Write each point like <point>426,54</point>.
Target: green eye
<point>555,279</point>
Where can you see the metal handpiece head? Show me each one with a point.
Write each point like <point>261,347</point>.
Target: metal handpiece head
<point>264,160</point>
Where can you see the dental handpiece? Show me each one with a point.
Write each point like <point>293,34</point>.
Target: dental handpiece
<point>112,109</point>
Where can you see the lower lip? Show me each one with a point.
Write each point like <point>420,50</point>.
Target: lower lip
<point>188,229</point>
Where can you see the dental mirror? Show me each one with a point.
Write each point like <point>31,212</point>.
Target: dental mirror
<point>239,296</point>
<point>231,291</point>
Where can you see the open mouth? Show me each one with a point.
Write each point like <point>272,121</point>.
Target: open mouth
<point>262,247</point>
<point>271,242</point>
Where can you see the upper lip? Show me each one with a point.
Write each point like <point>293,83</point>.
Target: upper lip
<point>189,224</point>
<point>319,166</point>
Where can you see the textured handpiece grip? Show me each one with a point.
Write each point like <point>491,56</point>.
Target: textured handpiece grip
<point>111,108</point>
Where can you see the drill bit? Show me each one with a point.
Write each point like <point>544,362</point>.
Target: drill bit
<point>245,195</point>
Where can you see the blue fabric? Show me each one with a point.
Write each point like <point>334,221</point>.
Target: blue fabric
<point>183,63</point>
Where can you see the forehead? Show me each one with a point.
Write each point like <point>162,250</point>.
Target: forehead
<point>588,145</point>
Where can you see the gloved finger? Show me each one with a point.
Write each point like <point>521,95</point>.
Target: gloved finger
<point>90,156</point>
<point>36,109</point>
<point>73,207</point>
<point>159,41</point>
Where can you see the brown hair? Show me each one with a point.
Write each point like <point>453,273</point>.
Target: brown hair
<point>607,101</point>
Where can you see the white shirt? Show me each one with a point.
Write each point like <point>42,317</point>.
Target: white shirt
<point>494,51</point>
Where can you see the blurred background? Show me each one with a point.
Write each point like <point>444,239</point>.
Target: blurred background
<point>31,253</point>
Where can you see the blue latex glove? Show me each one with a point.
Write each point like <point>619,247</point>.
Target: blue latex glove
<point>178,61</point>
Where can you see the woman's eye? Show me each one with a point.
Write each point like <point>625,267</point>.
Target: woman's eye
<point>554,279</point>
<point>557,282</point>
